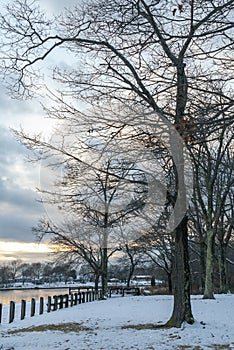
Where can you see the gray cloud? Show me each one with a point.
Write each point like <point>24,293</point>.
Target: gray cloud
<point>10,148</point>
<point>19,208</point>
<point>26,256</point>
<point>56,6</point>
<point>18,197</point>
<point>17,226</point>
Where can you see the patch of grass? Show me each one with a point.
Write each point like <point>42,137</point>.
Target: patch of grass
<point>151,326</point>
<point>213,347</point>
<point>61,327</point>
<point>189,347</point>
<point>140,327</point>
<point>154,291</point>
<point>221,347</point>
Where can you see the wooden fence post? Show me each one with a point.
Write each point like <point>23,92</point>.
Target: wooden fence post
<point>23,309</point>
<point>41,306</point>
<point>33,306</point>
<point>72,299</point>
<point>100,294</point>
<point>60,301</point>
<point>0,313</point>
<point>66,296</point>
<point>12,311</point>
<point>80,297</point>
<point>55,297</point>
<point>75,298</point>
<point>49,304</point>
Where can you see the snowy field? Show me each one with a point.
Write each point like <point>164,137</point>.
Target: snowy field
<point>116,324</point>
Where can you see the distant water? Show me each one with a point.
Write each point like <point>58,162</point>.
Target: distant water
<point>17,295</point>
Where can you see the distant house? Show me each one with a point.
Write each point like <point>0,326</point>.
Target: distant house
<point>114,282</point>
<point>145,280</point>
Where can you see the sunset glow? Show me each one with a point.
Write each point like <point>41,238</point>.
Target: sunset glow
<point>17,250</point>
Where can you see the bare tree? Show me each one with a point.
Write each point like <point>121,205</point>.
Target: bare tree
<point>134,254</point>
<point>15,268</point>
<point>93,201</point>
<point>4,275</point>
<point>160,249</point>
<point>172,59</point>
<point>224,236</point>
<point>214,180</point>
<point>75,242</point>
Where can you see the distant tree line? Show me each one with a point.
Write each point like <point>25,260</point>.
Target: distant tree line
<point>20,272</point>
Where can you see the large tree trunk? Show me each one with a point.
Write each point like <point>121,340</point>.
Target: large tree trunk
<point>182,306</point>
<point>97,275</point>
<point>223,285</point>
<point>131,271</point>
<point>202,264</point>
<point>169,281</point>
<point>132,266</point>
<point>104,272</point>
<point>209,283</point>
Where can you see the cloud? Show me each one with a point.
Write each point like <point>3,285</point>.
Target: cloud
<point>12,250</point>
<point>10,148</point>
<point>56,6</point>
<point>26,256</point>
<point>16,223</point>
<point>19,208</point>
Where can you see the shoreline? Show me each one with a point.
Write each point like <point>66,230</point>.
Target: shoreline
<point>46,287</point>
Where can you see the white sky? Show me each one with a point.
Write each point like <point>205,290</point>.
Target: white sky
<point>19,210</point>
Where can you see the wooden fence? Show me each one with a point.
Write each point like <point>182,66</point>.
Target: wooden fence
<point>120,290</point>
<point>74,297</point>
<point>53,303</point>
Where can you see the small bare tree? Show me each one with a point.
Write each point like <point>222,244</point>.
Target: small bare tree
<point>214,181</point>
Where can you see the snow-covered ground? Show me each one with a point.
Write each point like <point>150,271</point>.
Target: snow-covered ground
<point>103,325</point>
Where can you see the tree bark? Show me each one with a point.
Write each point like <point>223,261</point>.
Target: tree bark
<point>97,275</point>
<point>104,272</point>
<point>182,307</point>
<point>132,266</point>
<point>209,283</point>
<point>182,311</point>
<point>202,264</point>
<point>131,271</point>
<point>223,285</point>
<point>169,281</point>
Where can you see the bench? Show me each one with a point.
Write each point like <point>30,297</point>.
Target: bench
<point>124,290</point>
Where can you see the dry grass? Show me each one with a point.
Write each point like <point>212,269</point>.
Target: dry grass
<point>151,326</point>
<point>188,347</point>
<point>213,347</point>
<point>61,327</point>
<point>154,290</point>
<point>140,327</point>
<point>221,347</point>
<point>78,327</point>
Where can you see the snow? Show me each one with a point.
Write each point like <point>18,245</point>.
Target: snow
<point>102,323</point>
